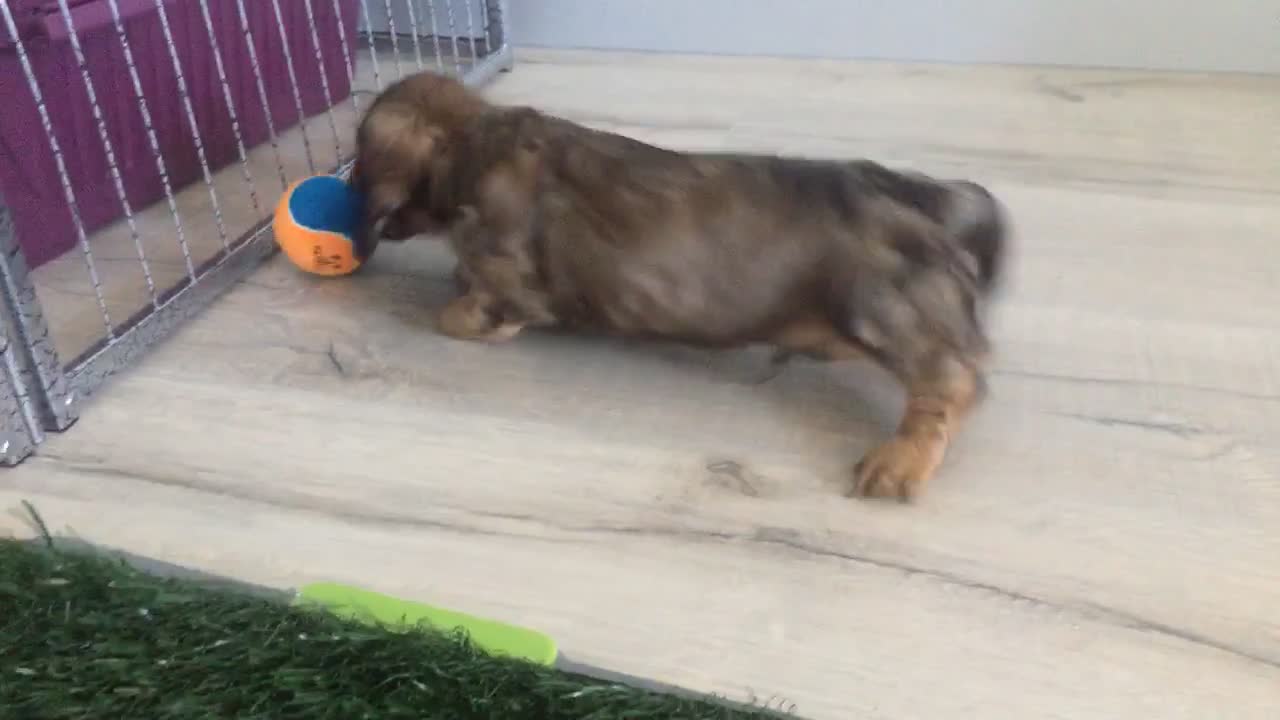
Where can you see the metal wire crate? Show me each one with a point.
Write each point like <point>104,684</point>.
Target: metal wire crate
<point>147,140</point>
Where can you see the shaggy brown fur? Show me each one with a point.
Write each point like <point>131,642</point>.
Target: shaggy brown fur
<point>555,224</point>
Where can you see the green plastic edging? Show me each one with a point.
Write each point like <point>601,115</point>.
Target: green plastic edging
<point>491,636</point>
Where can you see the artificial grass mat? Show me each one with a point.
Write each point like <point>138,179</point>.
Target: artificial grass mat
<point>85,636</point>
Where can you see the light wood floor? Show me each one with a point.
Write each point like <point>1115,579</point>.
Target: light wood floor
<point>1103,541</point>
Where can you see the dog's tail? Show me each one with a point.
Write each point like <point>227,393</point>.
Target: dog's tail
<point>979,224</point>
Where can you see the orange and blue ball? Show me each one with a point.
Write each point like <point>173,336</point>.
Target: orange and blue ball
<point>315,224</point>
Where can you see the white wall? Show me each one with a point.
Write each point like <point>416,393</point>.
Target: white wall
<point>1211,35</point>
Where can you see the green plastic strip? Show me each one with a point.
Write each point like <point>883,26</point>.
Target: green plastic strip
<point>374,608</point>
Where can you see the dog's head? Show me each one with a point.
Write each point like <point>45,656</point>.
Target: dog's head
<point>399,145</point>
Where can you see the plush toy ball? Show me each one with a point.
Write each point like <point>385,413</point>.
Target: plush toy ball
<point>315,222</point>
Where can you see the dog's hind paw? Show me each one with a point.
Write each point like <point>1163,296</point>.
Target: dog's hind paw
<point>896,470</point>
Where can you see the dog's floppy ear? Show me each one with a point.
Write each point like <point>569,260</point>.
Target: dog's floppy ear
<point>394,155</point>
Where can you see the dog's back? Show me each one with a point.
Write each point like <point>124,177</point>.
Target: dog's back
<point>725,249</point>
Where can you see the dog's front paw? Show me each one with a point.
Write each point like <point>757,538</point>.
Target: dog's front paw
<point>471,318</point>
<point>898,469</point>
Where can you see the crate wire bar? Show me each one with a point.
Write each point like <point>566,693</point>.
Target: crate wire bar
<point>40,390</point>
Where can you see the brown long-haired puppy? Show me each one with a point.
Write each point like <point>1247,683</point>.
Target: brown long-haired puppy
<point>555,224</point>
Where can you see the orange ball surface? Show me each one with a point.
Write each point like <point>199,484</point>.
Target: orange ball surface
<point>315,222</point>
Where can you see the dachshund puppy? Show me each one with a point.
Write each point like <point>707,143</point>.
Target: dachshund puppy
<point>555,224</point>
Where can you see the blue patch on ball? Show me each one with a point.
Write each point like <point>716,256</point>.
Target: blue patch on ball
<point>327,203</point>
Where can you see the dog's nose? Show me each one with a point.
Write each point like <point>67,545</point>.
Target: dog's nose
<point>365,240</point>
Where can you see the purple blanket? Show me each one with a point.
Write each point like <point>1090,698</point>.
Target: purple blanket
<point>29,179</point>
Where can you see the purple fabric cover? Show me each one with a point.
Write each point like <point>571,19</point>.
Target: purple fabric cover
<point>29,180</point>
